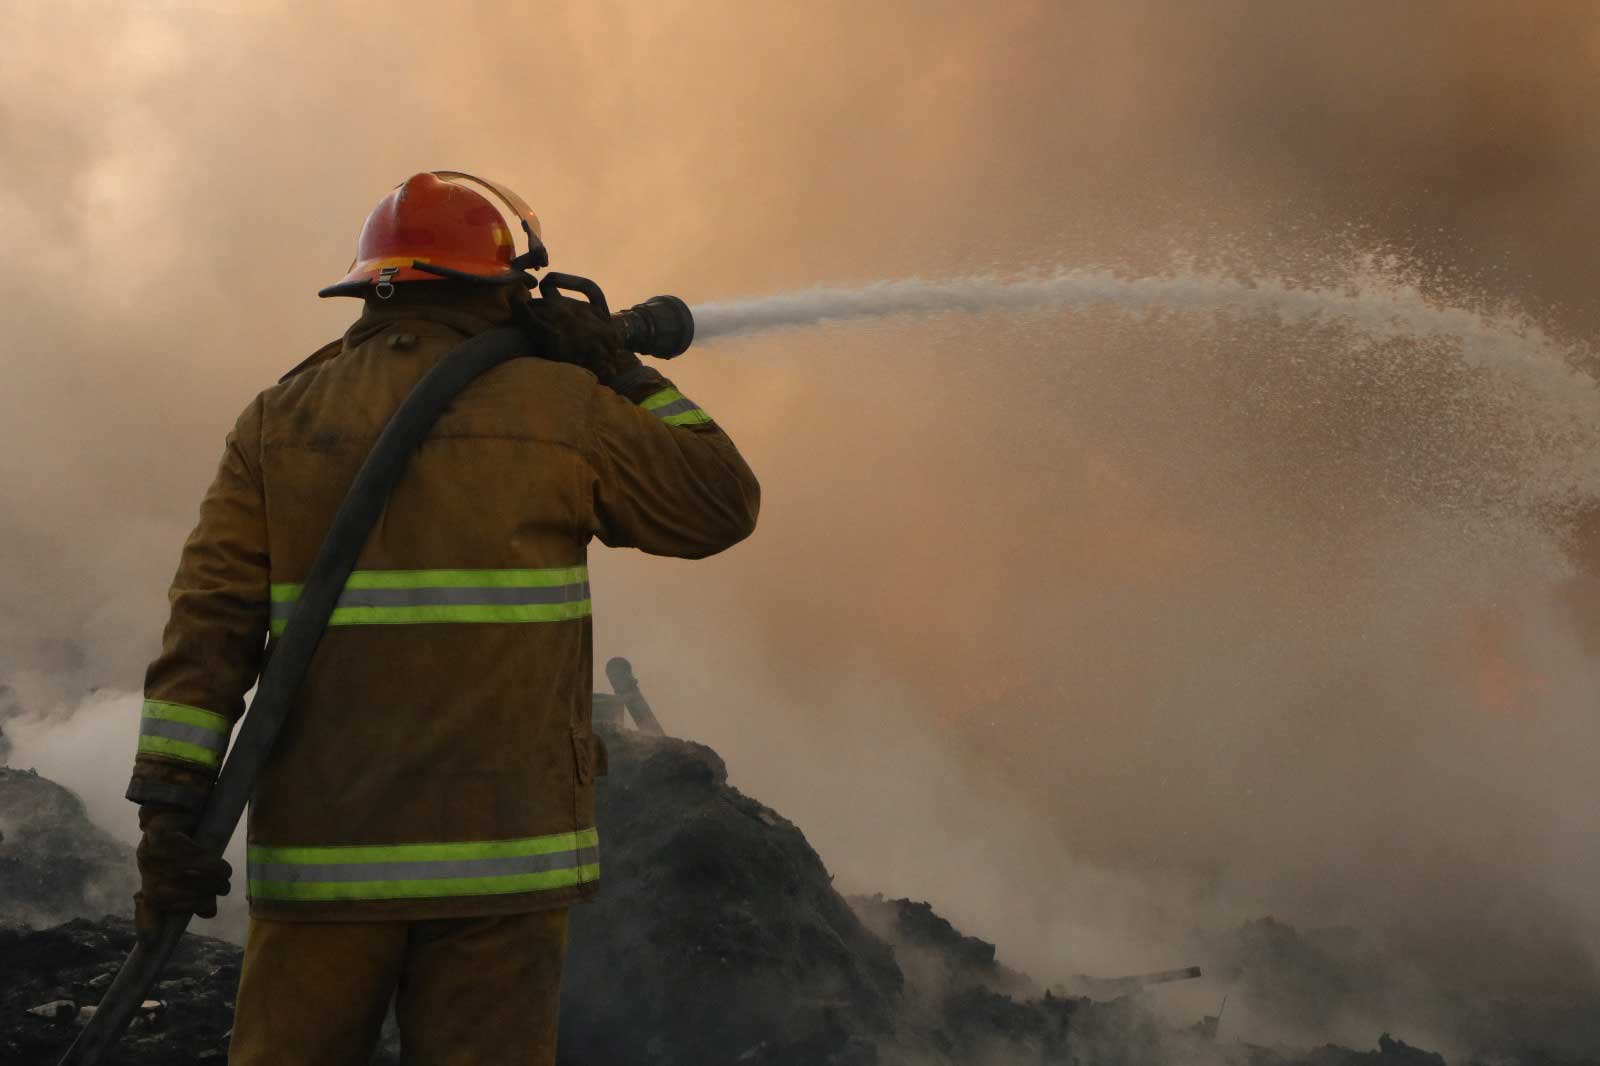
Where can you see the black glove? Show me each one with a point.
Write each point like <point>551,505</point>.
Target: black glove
<point>176,875</point>
<point>571,331</point>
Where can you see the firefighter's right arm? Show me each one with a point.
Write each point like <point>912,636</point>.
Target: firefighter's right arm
<point>211,650</point>
<point>666,478</point>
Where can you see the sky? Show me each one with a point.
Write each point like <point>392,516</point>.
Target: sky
<point>1096,632</point>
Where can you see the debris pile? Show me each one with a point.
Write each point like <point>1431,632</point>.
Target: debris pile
<point>719,938</point>
<point>928,944</point>
<point>9,708</point>
<point>55,864</point>
<point>1338,979</point>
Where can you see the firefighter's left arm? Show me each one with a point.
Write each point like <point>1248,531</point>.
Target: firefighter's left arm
<point>212,648</point>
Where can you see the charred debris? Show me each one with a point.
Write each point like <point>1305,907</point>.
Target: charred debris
<point>55,864</point>
<point>719,939</point>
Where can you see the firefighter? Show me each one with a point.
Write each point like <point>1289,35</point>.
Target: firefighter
<point>427,816</point>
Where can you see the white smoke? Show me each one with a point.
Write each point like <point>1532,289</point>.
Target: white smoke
<point>89,748</point>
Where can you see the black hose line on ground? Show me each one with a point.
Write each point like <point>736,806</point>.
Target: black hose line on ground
<point>286,669</point>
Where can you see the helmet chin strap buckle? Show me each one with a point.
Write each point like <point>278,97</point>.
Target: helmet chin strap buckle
<point>385,286</point>
<point>535,258</point>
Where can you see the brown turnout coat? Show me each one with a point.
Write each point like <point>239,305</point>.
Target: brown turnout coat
<point>439,760</point>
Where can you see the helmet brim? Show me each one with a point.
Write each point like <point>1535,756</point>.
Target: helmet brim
<point>364,276</point>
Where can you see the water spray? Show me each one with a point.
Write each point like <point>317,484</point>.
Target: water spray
<point>664,327</point>
<point>1379,306</point>
<point>1373,304</point>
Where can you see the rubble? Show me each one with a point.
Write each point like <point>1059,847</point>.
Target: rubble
<point>66,969</point>
<point>9,708</point>
<point>1316,980</point>
<point>920,936</point>
<point>1390,1052</point>
<point>55,864</point>
<point>719,938</point>
<point>55,1010</point>
<point>1116,987</point>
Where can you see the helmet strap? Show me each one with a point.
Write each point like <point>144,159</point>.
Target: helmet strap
<point>461,275</point>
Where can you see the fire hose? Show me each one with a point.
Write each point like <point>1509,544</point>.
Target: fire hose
<point>662,326</point>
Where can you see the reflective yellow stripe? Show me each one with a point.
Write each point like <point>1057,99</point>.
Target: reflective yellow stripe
<point>674,408</point>
<point>544,881</point>
<point>661,399</point>
<point>182,712</point>
<point>412,871</point>
<point>463,613</point>
<point>400,597</point>
<point>313,855</point>
<point>687,418</point>
<point>179,749</point>
<point>180,731</point>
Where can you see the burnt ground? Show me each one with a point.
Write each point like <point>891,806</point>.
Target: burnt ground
<point>719,938</point>
<point>64,969</point>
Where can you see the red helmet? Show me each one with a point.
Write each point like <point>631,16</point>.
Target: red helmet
<point>430,227</point>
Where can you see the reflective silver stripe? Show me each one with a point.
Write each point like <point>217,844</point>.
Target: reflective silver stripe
<point>448,596</point>
<point>323,873</point>
<point>676,407</point>
<point>189,734</point>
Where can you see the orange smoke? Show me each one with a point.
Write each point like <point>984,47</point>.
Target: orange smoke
<point>1499,679</point>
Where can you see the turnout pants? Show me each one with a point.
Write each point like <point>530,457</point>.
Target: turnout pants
<point>467,991</point>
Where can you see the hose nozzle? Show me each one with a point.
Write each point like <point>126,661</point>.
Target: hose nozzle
<point>662,326</point>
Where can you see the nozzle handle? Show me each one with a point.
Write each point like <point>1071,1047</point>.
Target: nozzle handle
<point>554,282</point>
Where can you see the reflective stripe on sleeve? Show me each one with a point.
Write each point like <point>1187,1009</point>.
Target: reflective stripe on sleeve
<point>674,408</point>
<point>179,731</point>
<point>415,871</point>
<point>401,597</point>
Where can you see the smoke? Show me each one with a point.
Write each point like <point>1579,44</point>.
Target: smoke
<point>1234,616</point>
<point>1092,630</point>
<point>86,748</point>
<point>77,747</point>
